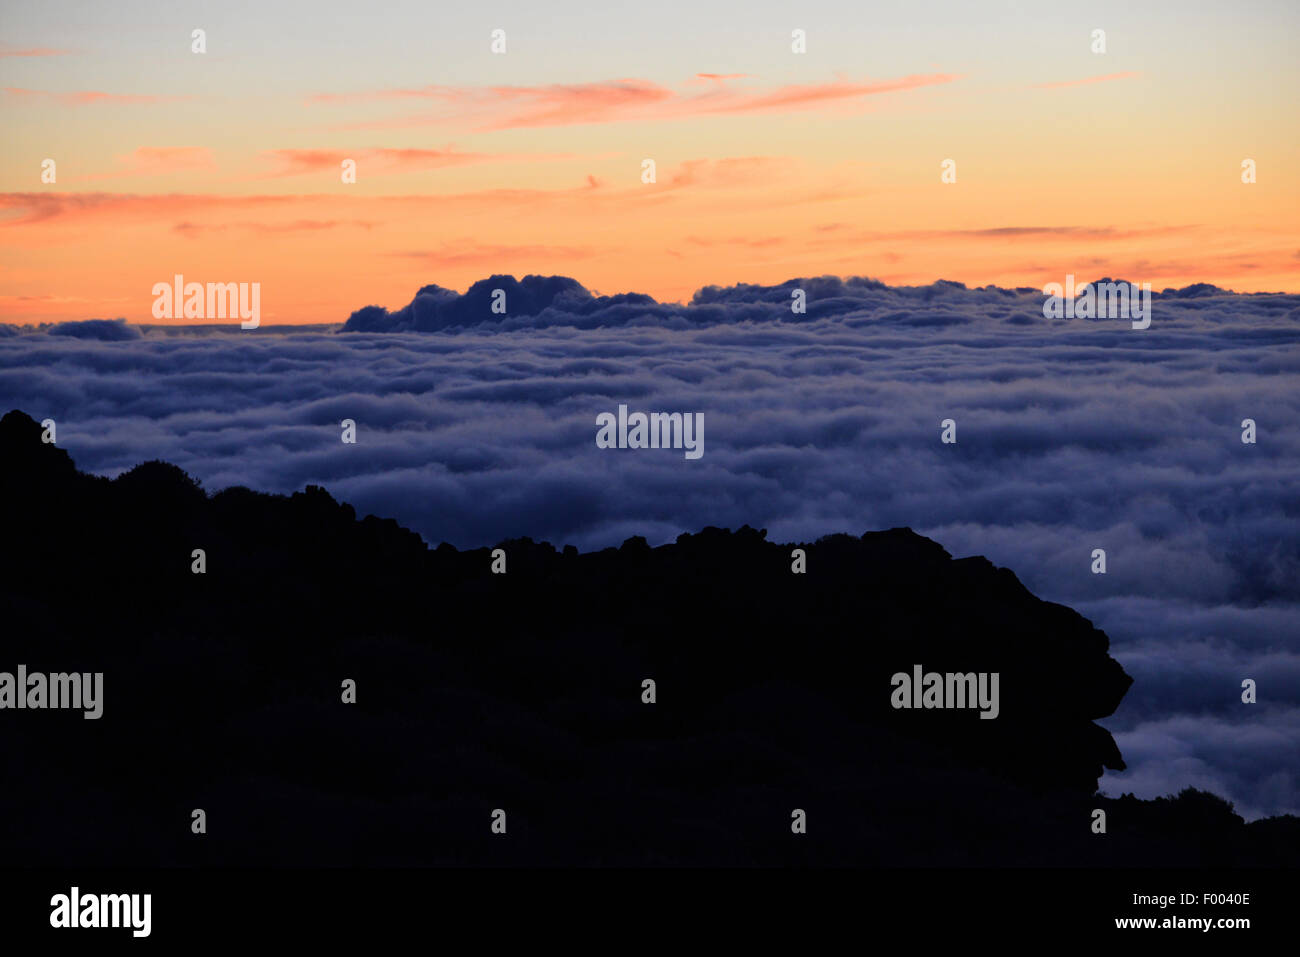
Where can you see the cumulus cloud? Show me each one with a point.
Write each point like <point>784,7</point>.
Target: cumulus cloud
<point>537,302</point>
<point>1072,435</point>
<point>105,330</point>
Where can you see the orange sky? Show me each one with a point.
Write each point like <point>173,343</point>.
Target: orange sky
<point>1126,165</point>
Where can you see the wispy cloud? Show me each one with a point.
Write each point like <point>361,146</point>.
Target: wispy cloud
<point>1036,234</point>
<point>496,257</point>
<point>625,100</point>
<point>748,242</point>
<point>85,97</point>
<point>384,160</point>
<point>192,230</point>
<point>26,209</point>
<point>719,77</point>
<point>1126,75</point>
<point>33,51</point>
<point>157,160</point>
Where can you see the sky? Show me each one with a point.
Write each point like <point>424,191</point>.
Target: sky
<point>225,166</point>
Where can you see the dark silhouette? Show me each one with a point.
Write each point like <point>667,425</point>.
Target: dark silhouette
<point>523,691</point>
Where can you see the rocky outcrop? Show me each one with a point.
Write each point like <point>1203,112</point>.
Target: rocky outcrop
<point>525,691</point>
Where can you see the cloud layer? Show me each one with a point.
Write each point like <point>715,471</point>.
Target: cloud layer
<point>1072,435</point>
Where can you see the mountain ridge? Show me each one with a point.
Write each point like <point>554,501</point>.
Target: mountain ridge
<point>524,691</point>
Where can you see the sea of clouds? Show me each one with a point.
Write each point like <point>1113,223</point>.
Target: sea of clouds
<point>1072,435</point>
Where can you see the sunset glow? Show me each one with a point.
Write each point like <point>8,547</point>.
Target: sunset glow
<point>769,165</point>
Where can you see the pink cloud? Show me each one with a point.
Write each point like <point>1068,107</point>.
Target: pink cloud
<point>31,208</point>
<point>192,230</point>
<point>1035,235</point>
<point>706,178</point>
<point>83,97</point>
<point>34,51</point>
<point>731,171</point>
<point>1126,75</point>
<point>790,98</point>
<point>382,160</point>
<point>749,242</point>
<point>719,77</point>
<point>468,252</point>
<point>158,160</point>
<point>624,100</point>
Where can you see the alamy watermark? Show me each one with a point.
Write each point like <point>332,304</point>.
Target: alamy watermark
<point>651,430</point>
<point>76,909</point>
<point>951,690</point>
<point>37,691</point>
<point>1098,300</point>
<point>217,300</point>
